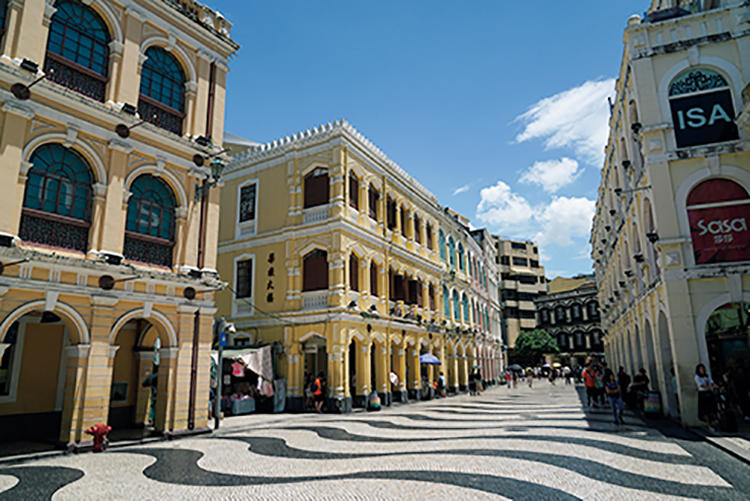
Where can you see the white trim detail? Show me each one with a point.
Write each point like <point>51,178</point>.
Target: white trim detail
<point>168,45</point>
<point>177,188</point>
<point>239,305</point>
<point>159,318</point>
<point>91,156</point>
<point>67,311</point>
<point>244,229</point>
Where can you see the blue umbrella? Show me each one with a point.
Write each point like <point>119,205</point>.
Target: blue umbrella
<point>429,359</point>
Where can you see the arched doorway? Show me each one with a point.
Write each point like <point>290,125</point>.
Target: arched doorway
<point>316,357</point>
<point>728,345</point>
<point>37,349</point>
<point>398,368</point>
<point>653,375</point>
<point>138,388</point>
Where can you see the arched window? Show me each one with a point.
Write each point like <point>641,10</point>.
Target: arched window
<point>78,49</point>
<point>575,312</point>
<point>3,15</point>
<point>316,188</point>
<point>456,307</point>
<point>149,227</point>
<point>702,109</point>
<point>593,310</point>
<point>446,302</point>
<point>451,251</point>
<point>417,232</point>
<point>404,219</point>
<point>373,278</point>
<point>353,190</point>
<point>57,199</point>
<point>162,98</point>
<point>353,272</point>
<point>441,242</point>
<point>461,257</point>
<point>559,315</point>
<point>315,271</point>
<point>431,293</point>
<point>428,235</point>
<point>373,197</point>
<point>718,213</point>
<point>466,308</point>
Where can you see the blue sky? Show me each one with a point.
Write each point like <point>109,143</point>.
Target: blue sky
<point>497,107</point>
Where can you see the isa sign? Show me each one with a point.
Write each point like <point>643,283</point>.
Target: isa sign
<point>703,118</point>
<point>720,234</point>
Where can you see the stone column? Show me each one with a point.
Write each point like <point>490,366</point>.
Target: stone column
<point>165,397</point>
<point>115,63</point>
<point>382,371</point>
<point>132,60</point>
<point>112,224</point>
<point>401,393</point>
<point>12,142</point>
<point>363,373</point>
<point>143,394</point>
<point>191,93</point>
<point>294,376</point>
<point>414,379</point>
<point>76,375</point>
<point>25,38</point>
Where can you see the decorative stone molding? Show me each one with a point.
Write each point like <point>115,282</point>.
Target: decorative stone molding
<point>120,146</point>
<point>135,14</point>
<point>71,136</point>
<point>99,300</point>
<point>115,49</point>
<point>18,110</point>
<point>165,353</point>
<point>49,11</point>
<point>113,351</point>
<point>77,350</point>
<point>186,308</point>
<point>100,190</point>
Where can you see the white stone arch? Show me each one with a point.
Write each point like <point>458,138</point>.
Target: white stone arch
<point>729,172</point>
<point>80,146</point>
<point>40,305</point>
<point>354,333</point>
<point>311,167</point>
<point>109,18</point>
<point>357,250</point>
<point>171,47</point>
<point>304,251</point>
<point>162,173</point>
<point>379,338</point>
<point>311,335</point>
<point>377,258</point>
<point>728,70</point>
<point>153,316</point>
<point>361,173</point>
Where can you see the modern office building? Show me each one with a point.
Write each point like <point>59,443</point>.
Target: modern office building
<point>670,238</point>
<point>522,281</point>
<point>104,106</point>
<point>336,253</point>
<point>569,312</point>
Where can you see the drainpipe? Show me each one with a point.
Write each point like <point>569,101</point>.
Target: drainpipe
<point>197,317</point>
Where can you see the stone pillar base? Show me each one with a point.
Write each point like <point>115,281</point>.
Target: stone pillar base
<point>462,387</point>
<point>359,402</point>
<point>400,396</point>
<point>338,405</point>
<point>415,394</point>
<point>295,404</point>
<point>386,398</point>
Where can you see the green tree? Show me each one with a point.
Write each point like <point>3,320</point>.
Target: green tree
<point>531,345</point>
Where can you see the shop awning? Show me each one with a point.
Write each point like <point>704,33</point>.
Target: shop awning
<point>256,359</point>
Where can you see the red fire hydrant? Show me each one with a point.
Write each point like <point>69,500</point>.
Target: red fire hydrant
<point>99,432</point>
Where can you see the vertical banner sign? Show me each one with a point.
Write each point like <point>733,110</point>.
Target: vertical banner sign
<point>703,118</point>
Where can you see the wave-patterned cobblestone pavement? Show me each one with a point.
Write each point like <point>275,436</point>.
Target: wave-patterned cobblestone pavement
<point>526,444</point>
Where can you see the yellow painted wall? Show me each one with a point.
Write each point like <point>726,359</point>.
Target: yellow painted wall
<point>40,364</point>
<point>125,367</point>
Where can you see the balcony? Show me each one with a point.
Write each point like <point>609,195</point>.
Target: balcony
<point>315,214</point>
<point>160,115</point>
<point>75,77</point>
<point>147,249</point>
<point>54,230</point>
<point>315,300</point>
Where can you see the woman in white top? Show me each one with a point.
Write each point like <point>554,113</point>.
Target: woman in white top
<point>706,399</point>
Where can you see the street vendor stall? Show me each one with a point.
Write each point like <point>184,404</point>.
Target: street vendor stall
<point>247,378</point>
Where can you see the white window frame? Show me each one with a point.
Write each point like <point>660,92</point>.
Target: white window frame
<point>250,227</point>
<point>235,300</point>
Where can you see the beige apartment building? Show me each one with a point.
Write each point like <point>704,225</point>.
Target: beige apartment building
<point>347,262</point>
<point>105,103</point>
<point>521,282</point>
<point>670,238</point>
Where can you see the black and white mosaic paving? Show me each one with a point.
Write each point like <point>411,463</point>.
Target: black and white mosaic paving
<point>526,444</point>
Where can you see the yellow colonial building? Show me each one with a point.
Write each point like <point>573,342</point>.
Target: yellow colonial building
<point>334,251</point>
<point>670,237</point>
<point>106,218</point>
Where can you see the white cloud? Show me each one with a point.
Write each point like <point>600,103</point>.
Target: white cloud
<point>558,222</point>
<point>576,118</point>
<point>502,209</point>
<point>552,174</point>
<point>461,189</point>
<point>564,219</point>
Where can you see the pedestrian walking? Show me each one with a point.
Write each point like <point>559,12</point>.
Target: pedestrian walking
<point>318,392</point>
<point>706,396</point>
<point>589,380</point>
<point>508,378</point>
<point>615,397</point>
